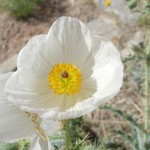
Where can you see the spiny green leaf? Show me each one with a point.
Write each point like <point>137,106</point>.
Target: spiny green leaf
<point>130,118</point>
<point>132,4</point>
<point>139,142</point>
<point>126,138</point>
<point>115,146</point>
<point>124,135</point>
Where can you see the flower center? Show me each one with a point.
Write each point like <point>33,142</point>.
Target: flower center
<point>65,79</point>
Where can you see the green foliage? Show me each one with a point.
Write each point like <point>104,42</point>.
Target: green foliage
<point>13,146</point>
<point>57,143</point>
<point>130,118</point>
<point>76,129</point>
<point>79,145</point>
<point>135,139</point>
<point>21,145</point>
<point>139,53</point>
<point>115,146</point>
<point>132,3</point>
<point>21,9</point>
<point>139,142</point>
<point>79,137</point>
<point>132,57</point>
<point>57,140</point>
<point>144,19</point>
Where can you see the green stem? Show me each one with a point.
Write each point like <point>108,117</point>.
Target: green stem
<point>147,89</point>
<point>145,2</point>
<point>147,99</point>
<point>21,145</point>
<point>67,135</point>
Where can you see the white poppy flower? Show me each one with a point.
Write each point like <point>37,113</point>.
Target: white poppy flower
<point>65,73</point>
<point>16,124</point>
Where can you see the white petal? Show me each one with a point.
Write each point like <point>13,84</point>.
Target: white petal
<point>27,52</point>
<point>22,96</point>
<point>76,111</point>
<point>39,144</point>
<point>27,82</point>
<point>31,61</point>
<point>14,124</point>
<point>108,70</point>
<point>69,39</point>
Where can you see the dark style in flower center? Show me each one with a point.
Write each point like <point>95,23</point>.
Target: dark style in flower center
<point>65,74</point>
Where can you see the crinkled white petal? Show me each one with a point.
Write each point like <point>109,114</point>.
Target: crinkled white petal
<point>68,41</point>
<point>28,51</point>
<point>28,83</point>
<point>14,124</point>
<point>108,70</point>
<point>69,37</point>
<point>23,96</point>
<point>39,144</point>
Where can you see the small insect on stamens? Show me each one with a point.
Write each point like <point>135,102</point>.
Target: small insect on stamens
<point>65,74</point>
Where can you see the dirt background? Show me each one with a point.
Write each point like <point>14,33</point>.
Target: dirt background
<point>15,33</point>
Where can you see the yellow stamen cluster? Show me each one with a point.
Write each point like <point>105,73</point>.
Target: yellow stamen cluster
<point>108,2</point>
<point>65,79</point>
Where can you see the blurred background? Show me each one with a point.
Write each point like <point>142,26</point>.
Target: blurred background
<point>118,20</point>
